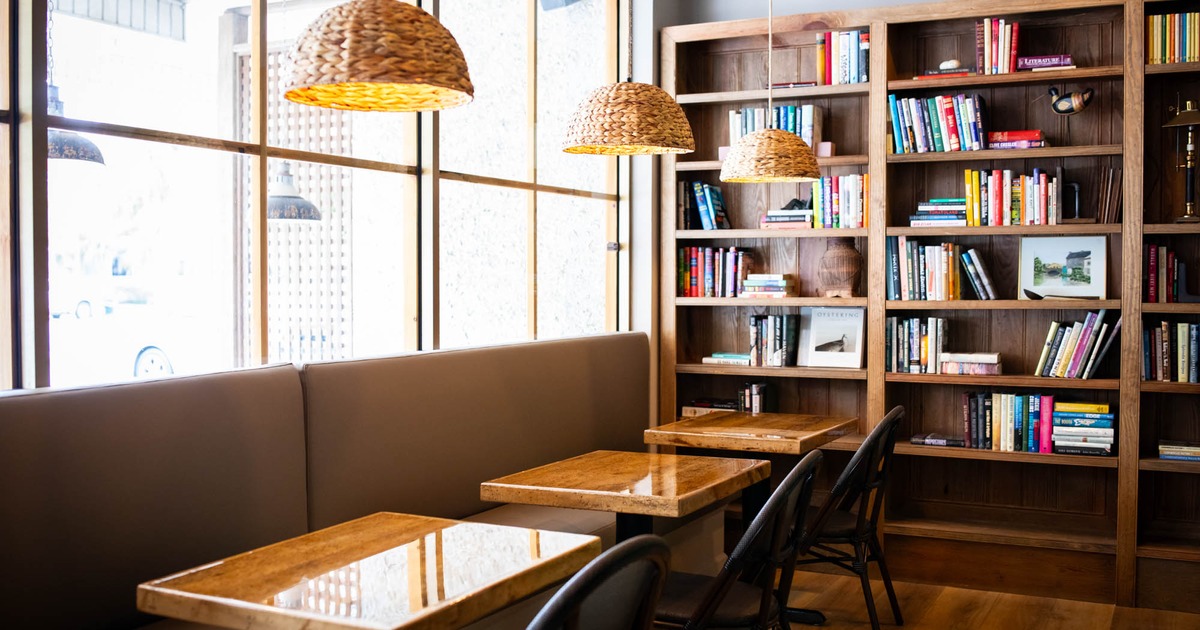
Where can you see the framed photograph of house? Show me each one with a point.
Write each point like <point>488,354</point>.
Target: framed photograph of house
<point>831,337</point>
<point>1057,267</point>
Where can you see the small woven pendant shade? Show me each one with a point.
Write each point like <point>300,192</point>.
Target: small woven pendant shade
<point>379,55</point>
<point>770,156</point>
<point>629,119</point>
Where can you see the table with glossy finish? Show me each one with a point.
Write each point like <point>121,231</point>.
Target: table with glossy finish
<point>381,571</point>
<point>780,433</point>
<point>636,486</point>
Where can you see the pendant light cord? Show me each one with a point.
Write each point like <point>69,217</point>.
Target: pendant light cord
<point>770,45</point>
<point>629,43</point>
<point>50,42</point>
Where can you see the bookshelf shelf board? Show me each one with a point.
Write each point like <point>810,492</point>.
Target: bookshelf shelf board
<point>1000,305</point>
<point>715,165</point>
<point>1003,535</point>
<point>1168,387</point>
<point>1005,381</point>
<point>1172,68</point>
<point>792,301</point>
<point>1005,154</point>
<point>1002,230</point>
<point>786,372</point>
<point>1170,307</point>
<point>1171,228</point>
<point>1169,465</point>
<point>1012,78</point>
<point>952,452</point>
<point>802,233</point>
<point>1169,550</point>
<point>742,96</point>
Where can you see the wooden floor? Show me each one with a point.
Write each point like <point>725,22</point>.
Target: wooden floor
<point>928,607</point>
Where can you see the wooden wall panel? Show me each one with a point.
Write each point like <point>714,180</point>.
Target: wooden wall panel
<point>1066,574</point>
<point>1168,584</point>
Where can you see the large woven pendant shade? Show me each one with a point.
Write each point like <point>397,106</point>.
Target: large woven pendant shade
<point>770,156</point>
<point>629,119</point>
<point>379,55</point>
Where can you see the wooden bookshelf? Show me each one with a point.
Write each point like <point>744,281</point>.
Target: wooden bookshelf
<point>691,235</point>
<point>1048,538</point>
<point>1079,229</point>
<point>1032,382</point>
<point>824,162</point>
<point>1096,528</point>
<point>752,302</point>
<point>1001,305</point>
<point>783,372</point>
<point>988,155</point>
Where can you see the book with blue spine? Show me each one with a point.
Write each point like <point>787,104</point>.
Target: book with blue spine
<point>707,221</point>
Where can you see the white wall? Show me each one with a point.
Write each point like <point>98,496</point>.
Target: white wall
<point>698,11</point>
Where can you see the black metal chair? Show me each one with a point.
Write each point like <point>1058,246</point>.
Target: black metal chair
<point>616,591</point>
<point>850,516</point>
<point>744,594</point>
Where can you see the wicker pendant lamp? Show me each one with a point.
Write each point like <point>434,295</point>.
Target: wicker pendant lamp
<point>379,55</point>
<point>629,118</point>
<point>770,155</point>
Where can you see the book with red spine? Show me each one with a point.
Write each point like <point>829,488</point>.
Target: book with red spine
<point>829,45</point>
<point>1015,134</point>
<point>1152,275</point>
<point>979,40</point>
<point>1046,424</point>
<point>694,275</point>
<point>947,104</point>
<point>1042,188</point>
<point>1012,48</point>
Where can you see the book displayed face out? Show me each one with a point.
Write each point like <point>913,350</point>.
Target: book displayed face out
<point>831,337</point>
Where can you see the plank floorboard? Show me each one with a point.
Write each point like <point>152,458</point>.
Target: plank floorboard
<point>930,607</point>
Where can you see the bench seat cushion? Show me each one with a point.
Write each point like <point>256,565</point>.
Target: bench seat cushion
<point>107,487</point>
<point>418,433</point>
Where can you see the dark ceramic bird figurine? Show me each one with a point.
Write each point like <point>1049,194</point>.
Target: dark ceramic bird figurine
<point>1071,102</point>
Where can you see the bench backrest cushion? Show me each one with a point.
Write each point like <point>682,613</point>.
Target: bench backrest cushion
<point>418,433</point>
<point>103,488</point>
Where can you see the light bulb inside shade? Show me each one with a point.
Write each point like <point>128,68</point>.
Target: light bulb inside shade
<point>629,119</point>
<point>770,156</point>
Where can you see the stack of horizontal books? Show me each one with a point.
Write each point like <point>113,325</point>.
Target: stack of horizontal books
<point>767,285</point>
<point>1182,451</point>
<point>947,212</point>
<point>1083,429</point>
<point>970,363</point>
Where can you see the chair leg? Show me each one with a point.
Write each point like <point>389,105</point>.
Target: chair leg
<point>860,567</point>
<point>877,551</point>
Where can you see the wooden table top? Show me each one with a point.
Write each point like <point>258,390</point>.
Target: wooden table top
<point>629,483</point>
<point>786,433</point>
<point>381,571</point>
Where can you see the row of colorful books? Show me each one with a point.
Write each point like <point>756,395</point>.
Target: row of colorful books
<point>1029,423</point>
<point>843,57</point>
<point>914,345</point>
<point>996,45</point>
<point>1076,349</point>
<point>712,272</point>
<point>934,272</point>
<point>841,201</point>
<point>774,340</point>
<point>1001,197</point>
<point>1170,351</point>
<point>940,123</point>
<point>802,120</point>
<point>1161,273</point>
<point>1179,450</point>
<point>1173,38</point>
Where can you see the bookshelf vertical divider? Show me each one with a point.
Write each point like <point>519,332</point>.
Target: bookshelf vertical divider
<point>1131,305</point>
<point>1122,530</point>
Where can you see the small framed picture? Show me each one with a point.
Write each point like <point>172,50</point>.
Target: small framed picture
<point>831,337</point>
<point>1056,267</point>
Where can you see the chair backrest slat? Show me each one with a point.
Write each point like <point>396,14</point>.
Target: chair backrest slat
<point>861,485</point>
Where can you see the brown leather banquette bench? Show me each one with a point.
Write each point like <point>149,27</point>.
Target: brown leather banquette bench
<point>105,487</point>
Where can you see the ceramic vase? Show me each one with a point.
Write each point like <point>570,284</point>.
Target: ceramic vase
<point>840,269</point>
